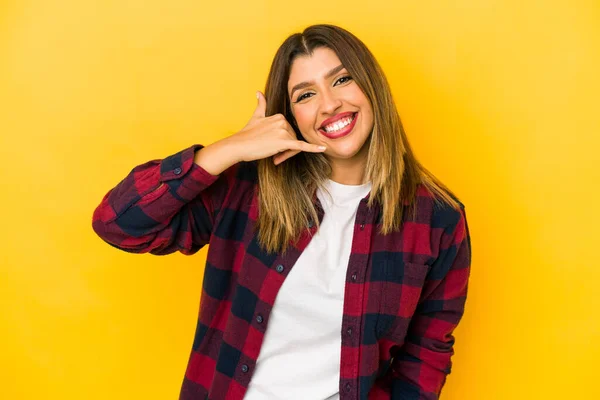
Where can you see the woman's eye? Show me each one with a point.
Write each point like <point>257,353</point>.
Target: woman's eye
<point>302,97</point>
<point>345,77</point>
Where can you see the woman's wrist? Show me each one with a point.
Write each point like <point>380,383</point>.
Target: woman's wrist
<point>217,157</point>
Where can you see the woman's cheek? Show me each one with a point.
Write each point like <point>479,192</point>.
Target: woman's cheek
<point>302,118</point>
<point>306,122</point>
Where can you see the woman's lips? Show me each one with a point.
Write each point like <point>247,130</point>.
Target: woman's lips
<point>342,132</point>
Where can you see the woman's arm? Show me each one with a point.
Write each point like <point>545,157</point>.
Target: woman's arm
<point>421,365</point>
<point>167,205</point>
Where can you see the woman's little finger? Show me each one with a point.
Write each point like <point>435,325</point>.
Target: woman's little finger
<point>281,157</point>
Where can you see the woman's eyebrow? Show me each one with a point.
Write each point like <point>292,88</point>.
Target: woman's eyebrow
<point>302,85</point>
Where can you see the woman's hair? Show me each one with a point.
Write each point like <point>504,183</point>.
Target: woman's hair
<point>286,191</point>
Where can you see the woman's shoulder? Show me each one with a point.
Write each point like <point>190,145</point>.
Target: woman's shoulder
<point>437,210</point>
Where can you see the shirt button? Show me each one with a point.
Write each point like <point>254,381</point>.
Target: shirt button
<point>362,226</point>
<point>348,387</point>
<point>259,319</point>
<point>177,171</point>
<point>279,268</point>
<point>310,224</point>
<point>354,277</point>
<point>349,331</point>
<point>244,368</point>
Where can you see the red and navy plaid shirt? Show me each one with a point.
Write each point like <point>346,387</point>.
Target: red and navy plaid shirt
<point>405,292</point>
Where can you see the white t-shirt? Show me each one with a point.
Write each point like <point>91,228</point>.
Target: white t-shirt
<point>300,355</point>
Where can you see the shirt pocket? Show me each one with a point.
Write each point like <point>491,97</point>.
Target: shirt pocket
<point>399,297</point>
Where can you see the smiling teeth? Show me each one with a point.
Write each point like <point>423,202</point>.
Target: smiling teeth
<point>338,125</point>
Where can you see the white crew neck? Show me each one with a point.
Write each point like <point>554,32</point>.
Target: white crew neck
<point>342,194</point>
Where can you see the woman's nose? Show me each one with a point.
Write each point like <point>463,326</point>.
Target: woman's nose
<point>329,102</point>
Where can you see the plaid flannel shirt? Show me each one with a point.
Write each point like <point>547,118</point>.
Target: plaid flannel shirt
<point>404,294</point>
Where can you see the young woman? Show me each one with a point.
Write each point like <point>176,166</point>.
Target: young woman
<point>331,273</point>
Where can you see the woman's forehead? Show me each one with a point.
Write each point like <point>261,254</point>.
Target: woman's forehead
<point>322,59</point>
<point>320,65</point>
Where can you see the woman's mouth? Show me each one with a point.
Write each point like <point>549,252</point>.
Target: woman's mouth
<point>339,128</point>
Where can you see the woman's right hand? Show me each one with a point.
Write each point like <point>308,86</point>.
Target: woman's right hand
<point>263,137</point>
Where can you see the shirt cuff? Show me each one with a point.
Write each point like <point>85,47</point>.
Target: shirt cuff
<point>192,178</point>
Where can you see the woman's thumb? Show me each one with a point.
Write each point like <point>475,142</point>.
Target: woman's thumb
<point>261,107</point>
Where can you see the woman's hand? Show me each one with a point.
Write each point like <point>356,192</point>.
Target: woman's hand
<point>263,137</point>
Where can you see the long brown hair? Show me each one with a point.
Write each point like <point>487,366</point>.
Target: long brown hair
<point>286,191</point>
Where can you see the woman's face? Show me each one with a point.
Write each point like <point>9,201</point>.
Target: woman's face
<point>322,92</point>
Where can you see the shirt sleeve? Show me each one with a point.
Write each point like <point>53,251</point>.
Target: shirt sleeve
<point>162,206</point>
<point>420,366</point>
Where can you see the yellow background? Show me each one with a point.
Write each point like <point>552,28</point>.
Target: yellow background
<point>499,99</point>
